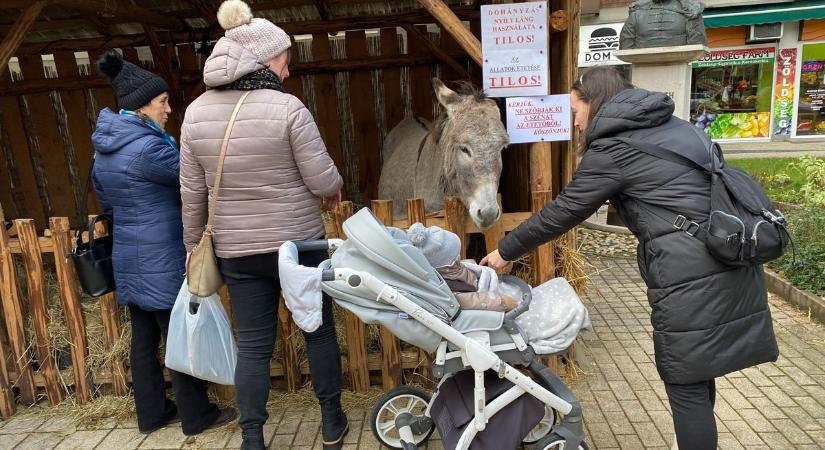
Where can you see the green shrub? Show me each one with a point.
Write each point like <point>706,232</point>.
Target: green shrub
<point>807,225</point>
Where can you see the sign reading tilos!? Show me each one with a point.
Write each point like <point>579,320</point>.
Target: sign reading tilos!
<point>514,46</point>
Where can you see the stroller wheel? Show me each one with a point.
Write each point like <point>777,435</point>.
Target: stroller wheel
<point>556,442</point>
<point>542,428</point>
<point>403,399</point>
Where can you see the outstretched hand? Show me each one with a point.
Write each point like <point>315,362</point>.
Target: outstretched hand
<point>495,261</point>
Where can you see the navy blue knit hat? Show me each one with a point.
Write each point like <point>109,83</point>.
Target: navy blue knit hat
<point>134,86</point>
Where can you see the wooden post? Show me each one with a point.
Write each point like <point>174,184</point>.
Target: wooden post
<point>289,351</point>
<point>13,312</point>
<point>436,50</point>
<point>111,328</point>
<point>356,336</point>
<point>27,233</point>
<point>391,372</point>
<point>450,22</point>
<point>67,279</point>
<point>164,63</point>
<point>416,213</point>
<point>6,390</point>
<point>455,220</point>
<point>18,31</point>
<point>544,262</point>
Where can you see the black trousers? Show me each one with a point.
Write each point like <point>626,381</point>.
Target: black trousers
<point>153,408</point>
<point>693,419</point>
<point>255,288</point>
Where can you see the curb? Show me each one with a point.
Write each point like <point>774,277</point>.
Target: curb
<point>806,301</point>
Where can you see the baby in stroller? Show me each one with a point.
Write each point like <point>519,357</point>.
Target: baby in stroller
<point>482,401</point>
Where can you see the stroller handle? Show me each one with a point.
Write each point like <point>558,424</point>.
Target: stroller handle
<point>526,295</point>
<point>311,246</point>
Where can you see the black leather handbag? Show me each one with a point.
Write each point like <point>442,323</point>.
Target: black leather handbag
<point>93,260</point>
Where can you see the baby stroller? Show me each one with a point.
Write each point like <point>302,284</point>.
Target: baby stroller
<point>383,280</point>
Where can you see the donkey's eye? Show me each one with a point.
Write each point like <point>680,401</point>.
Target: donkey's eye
<point>466,151</point>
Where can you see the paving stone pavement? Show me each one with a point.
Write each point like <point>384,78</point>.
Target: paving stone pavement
<point>775,406</point>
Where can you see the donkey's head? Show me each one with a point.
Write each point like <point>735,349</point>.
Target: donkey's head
<point>471,135</point>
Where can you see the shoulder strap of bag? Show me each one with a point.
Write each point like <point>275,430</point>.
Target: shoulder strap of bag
<point>657,151</point>
<point>224,145</point>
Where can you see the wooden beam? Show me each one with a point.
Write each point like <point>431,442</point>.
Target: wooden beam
<point>437,51</point>
<point>49,25</point>
<point>169,73</point>
<point>206,10</point>
<point>323,13</point>
<point>27,87</point>
<point>99,25</point>
<point>18,31</point>
<point>301,27</point>
<point>127,11</point>
<point>452,23</point>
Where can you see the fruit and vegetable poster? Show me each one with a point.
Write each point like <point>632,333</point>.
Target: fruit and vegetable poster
<point>784,92</point>
<point>810,107</point>
<point>538,119</point>
<point>735,125</point>
<point>514,49</point>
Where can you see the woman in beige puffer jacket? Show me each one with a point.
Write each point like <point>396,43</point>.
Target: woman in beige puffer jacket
<point>276,174</point>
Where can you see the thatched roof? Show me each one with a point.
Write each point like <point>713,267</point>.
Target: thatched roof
<point>63,20</point>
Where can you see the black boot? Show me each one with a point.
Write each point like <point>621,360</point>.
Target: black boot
<point>253,438</point>
<point>334,426</point>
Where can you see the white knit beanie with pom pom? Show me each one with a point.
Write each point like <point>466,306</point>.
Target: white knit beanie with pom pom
<point>260,36</point>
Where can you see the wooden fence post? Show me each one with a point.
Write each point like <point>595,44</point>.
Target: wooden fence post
<point>27,233</point>
<point>111,328</point>
<point>391,371</point>
<point>544,262</point>
<point>13,312</point>
<point>455,220</point>
<point>66,278</point>
<point>355,329</point>
<point>7,285</point>
<point>289,350</point>
<point>417,214</point>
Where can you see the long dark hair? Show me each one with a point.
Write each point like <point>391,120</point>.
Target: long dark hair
<point>597,86</point>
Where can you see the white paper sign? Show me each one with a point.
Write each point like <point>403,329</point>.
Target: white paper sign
<point>537,119</point>
<point>514,47</point>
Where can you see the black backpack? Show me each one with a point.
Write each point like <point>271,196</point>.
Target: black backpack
<point>743,228</point>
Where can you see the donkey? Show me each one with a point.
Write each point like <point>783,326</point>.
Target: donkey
<point>458,155</point>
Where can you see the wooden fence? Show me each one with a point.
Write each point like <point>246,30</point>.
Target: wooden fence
<point>30,367</point>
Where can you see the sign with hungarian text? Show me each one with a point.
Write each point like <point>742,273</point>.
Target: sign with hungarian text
<point>727,58</point>
<point>514,47</point>
<point>784,92</point>
<point>538,119</point>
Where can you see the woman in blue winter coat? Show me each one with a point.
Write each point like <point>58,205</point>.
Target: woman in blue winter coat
<point>136,179</point>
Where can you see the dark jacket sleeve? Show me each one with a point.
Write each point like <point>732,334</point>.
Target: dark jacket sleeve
<point>597,179</point>
<point>101,196</point>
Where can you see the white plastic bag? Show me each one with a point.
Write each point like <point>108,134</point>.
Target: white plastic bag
<point>200,341</point>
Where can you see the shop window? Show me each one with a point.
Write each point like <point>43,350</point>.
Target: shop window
<point>731,93</point>
<point>810,110</point>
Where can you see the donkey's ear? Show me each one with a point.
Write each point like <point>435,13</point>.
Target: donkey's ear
<point>446,96</point>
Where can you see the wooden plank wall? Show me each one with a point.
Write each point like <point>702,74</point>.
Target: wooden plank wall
<point>45,144</point>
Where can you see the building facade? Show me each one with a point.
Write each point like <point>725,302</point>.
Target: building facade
<point>764,78</point>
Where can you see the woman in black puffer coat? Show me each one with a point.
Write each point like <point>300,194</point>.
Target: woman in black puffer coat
<point>708,319</point>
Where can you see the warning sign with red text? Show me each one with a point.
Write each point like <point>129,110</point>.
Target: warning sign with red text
<point>514,47</point>
<point>538,119</point>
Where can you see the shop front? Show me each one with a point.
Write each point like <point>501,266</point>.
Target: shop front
<point>732,93</point>
<point>809,120</point>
